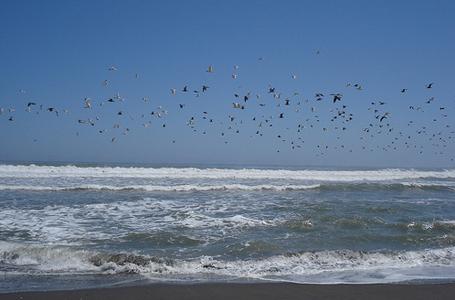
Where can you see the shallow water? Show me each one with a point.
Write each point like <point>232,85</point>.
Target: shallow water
<point>95,226</point>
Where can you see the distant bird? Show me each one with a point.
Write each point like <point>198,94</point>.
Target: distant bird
<point>112,68</point>
<point>430,85</point>
<point>430,100</point>
<point>384,117</point>
<point>319,96</point>
<point>87,103</point>
<point>210,69</point>
<point>404,90</point>
<point>336,97</point>
<point>52,109</point>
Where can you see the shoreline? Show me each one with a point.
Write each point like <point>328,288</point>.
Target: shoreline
<point>241,291</point>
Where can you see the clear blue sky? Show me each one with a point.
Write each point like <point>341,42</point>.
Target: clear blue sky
<point>59,52</point>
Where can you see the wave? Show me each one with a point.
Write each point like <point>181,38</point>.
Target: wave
<point>444,225</point>
<point>238,187</point>
<point>160,188</point>
<point>317,266</point>
<point>34,171</point>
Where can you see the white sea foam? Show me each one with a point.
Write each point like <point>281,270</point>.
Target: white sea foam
<point>340,266</point>
<point>88,222</point>
<point>67,186</point>
<point>34,171</point>
<point>161,188</point>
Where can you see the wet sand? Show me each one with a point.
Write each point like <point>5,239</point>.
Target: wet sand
<point>261,291</point>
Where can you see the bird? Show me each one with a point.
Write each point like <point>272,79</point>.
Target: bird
<point>336,97</point>
<point>52,109</point>
<point>358,86</point>
<point>431,99</point>
<point>210,69</point>
<point>87,103</point>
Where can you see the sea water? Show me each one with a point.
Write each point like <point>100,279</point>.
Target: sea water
<point>78,226</point>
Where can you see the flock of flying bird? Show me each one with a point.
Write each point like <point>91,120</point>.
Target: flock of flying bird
<point>266,109</point>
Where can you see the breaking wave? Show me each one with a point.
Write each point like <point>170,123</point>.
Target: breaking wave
<point>237,187</point>
<point>34,171</point>
<point>334,266</point>
<point>159,188</point>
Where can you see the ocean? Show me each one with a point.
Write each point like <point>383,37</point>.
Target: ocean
<point>79,226</point>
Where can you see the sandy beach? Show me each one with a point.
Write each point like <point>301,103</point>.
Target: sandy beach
<point>251,291</point>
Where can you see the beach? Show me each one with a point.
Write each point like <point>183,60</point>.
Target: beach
<point>245,291</point>
<point>243,150</point>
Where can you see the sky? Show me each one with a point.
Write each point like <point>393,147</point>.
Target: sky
<point>57,53</point>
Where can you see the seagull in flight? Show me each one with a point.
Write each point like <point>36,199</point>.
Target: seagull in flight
<point>87,103</point>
